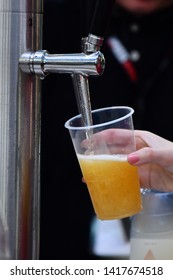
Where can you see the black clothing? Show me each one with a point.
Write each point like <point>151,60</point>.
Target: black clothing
<point>148,85</point>
<point>151,95</point>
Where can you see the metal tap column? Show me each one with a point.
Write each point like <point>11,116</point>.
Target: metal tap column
<point>20,31</point>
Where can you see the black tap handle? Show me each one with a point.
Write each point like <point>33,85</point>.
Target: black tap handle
<point>87,8</point>
<point>101,16</point>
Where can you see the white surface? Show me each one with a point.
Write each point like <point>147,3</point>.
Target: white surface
<point>109,239</point>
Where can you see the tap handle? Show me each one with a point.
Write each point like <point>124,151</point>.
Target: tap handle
<point>103,9</point>
<point>87,8</point>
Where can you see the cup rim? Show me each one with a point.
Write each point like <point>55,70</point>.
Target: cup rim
<point>68,126</point>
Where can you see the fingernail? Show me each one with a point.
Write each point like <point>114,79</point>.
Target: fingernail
<point>133,158</point>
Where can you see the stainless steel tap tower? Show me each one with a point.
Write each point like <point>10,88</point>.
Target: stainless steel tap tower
<point>23,65</point>
<point>20,30</point>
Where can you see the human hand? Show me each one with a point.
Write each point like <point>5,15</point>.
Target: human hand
<point>154,157</point>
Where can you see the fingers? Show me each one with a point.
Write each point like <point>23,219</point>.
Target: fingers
<point>83,180</point>
<point>162,157</point>
<point>110,136</point>
<point>149,139</point>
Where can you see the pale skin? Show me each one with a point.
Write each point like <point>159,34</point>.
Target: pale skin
<point>153,156</point>
<point>144,6</point>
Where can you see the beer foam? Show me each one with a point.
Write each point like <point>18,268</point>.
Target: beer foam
<point>118,157</point>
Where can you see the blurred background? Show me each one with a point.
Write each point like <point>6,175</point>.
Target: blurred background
<point>66,209</point>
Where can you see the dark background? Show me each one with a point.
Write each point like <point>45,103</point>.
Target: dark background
<point>66,209</point>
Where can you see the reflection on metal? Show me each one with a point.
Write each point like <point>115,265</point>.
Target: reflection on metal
<point>80,66</point>
<point>43,63</point>
<point>20,31</point>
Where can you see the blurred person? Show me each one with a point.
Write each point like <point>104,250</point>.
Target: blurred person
<point>138,49</point>
<point>144,6</point>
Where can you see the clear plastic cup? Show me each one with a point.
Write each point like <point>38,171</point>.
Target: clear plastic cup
<point>102,150</point>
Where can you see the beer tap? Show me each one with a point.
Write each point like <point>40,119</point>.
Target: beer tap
<point>94,18</point>
<point>43,63</point>
<point>99,23</point>
<point>81,82</point>
<point>81,65</point>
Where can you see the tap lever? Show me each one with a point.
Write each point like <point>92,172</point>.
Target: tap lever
<point>87,8</point>
<point>103,9</point>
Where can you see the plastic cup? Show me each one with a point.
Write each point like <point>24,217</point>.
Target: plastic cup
<point>102,150</point>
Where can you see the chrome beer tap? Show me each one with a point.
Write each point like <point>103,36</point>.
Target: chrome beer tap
<point>89,62</point>
<point>94,19</point>
<point>80,66</point>
<point>42,63</point>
